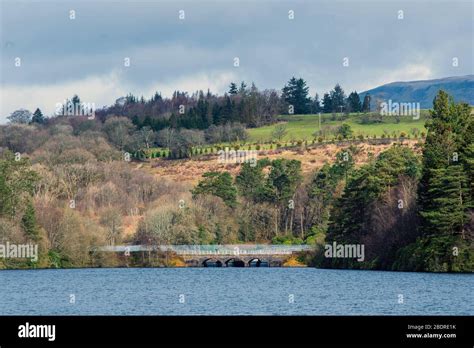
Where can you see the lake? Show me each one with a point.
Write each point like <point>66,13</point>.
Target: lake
<point>233,291</point>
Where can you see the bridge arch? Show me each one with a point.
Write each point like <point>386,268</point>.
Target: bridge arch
<point>256,262</point>
<point>235,262</point>
<point>212,263</point>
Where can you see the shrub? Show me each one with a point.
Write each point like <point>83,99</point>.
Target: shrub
<point>287,240</point>
<point>345,131</point>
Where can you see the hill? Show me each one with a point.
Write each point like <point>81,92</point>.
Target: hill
<point>460,87</point>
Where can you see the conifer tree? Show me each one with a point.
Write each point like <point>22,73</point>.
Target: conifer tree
<point>296,93</point>
<point>38,117</point>
<point>327,103</point>
<point>445,190</point>
<point>366,103</point>
<point>353,102</point>
<point>28,221</point>
<point>233,89</point>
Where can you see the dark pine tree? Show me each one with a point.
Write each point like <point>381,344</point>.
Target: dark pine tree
<point>243,88</point>
<point>366,104</point>
<point>233,89</point>
<point>337,98</point>
<point>296,93</point>
<point>316,104</point>
<point>38,117</point>
<point>445,192</point>
<point>353,102</point>
<point>327,103</point>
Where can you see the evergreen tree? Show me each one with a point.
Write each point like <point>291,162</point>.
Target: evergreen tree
<point>446,211</point>
<point>76,104</point>
<point>243,88</point>
<point>469,163</point>
<point>75,100</point>
<point>337,98</point>
<point>28,221</point>
<point>218,184</point>
<point>284,178</point>
<point>316,104</point>
<point>353,102</point>
<point>366,104</point>
<point>296,93</point>
<point>327,103</point>
<point>136,121</point>
<point>445,191</point>
<point>233,89</point>
<point>38,117</point>
<point>251,181</point>
<point>351,216</point>
<point>156,98</point>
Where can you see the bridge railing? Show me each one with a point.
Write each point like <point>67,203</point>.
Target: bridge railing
<point>227,249</point>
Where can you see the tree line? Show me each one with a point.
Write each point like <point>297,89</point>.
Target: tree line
<point>242,104</point>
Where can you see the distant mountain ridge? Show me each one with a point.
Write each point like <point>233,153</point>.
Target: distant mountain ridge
<point>424,91</point>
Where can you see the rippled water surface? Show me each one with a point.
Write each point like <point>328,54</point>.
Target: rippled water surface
<point>233,291</point>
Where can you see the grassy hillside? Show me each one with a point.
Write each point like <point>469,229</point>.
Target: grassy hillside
<point>302,127</point>
<point>305,129</point>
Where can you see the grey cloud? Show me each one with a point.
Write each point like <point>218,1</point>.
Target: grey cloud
<point>272,48</point>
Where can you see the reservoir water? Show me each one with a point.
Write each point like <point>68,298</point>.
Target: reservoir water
<point>233,291</point>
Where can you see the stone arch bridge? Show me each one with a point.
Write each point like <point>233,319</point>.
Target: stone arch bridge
<point>230,255</point>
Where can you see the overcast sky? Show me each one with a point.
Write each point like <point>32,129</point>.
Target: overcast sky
<point>62,56</point>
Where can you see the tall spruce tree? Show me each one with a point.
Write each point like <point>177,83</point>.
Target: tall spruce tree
<point>37,117</point>
<point>366,103</point>
<point>327,103</point>
<point>316,104</point>
<point>337,98</point>
<point>295,93</point>
<point>445,191</point>
<point>243,88</point>
<point>353,102</point>
<point>233,89</point>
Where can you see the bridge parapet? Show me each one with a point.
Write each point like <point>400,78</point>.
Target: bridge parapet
<point>218,249</point>
<point>198,255</point>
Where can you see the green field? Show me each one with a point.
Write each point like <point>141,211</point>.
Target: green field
<point>302,127</point>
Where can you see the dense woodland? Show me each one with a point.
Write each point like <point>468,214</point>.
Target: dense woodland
<point>65,184</point>
<point>135,124</point>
